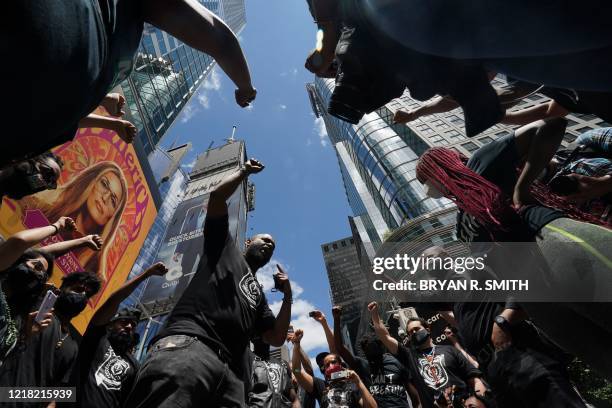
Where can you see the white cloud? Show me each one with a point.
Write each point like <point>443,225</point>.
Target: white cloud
<point>282,106</point>
<point>188,113</point>
<point>292,72</point>
<point>189,165</point>
<point>321,131</point>
<point>314,337</point>
<point>308,142</point>
<point>204,100</point>
<point>213,81</point>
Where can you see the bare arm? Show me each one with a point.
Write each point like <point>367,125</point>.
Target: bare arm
<point>108,309</point>
<point>439,104</point>
<point>93,242</point>
<point>17,244</point>
<point>217,203</point>
<point>329,336</point>
<point>304,379</point>
<point>414,395</point>
<point>536,144</point>
<point>338,341</point>
<point>278,334</point>
<point>367,400</point>
<point>295,402</point>
<point>550,109</point>
<point>381,331</point>
<point>305,362</point>
<point>197,27</point>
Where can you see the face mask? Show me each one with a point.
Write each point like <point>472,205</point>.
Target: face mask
<point>70,304</point>
<point>121,342</point>
<point>432,191</point>
<point>419,338</point>
<point>24,181</point>
<point>26,286</point>
<point>374,351</point>
<point>333,368</point>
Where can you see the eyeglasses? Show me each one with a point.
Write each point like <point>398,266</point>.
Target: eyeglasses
<point>107,190</point>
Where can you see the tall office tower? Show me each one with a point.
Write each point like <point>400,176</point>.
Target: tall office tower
<point>181,246</point>
<point>377,162</point>
<point>167,73</point>
<point>347,283</point>
<point>377,158</point>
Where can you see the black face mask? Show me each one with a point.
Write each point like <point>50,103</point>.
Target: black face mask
<point>26,285</point>
<point>70,304</point>
<point>121,342</point>
<point>374,351</point>
<point>25,180</point>
<point>419,338</point>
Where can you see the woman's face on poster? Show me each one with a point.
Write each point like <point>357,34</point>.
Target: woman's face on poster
<point>105,198</point>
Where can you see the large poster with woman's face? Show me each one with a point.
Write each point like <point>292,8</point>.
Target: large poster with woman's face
<point>103,189</point>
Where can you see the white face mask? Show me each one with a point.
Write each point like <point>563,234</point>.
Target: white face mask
<point>431,190</point>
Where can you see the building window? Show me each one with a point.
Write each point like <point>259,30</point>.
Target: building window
<point>335,246</point>
<point>326,248</point>
<point>343,243</point>
<point>470,147</point>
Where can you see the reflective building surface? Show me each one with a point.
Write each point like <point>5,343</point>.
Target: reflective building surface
<point>347,283</point>
<point>167,73</point>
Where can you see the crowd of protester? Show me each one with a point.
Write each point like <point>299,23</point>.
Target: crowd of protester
<point>523,187</point>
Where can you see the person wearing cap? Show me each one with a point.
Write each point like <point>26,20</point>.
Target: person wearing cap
<point>105,368</point>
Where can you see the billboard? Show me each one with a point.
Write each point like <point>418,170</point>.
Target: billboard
<point>101,187</point>
<point>183,243</point>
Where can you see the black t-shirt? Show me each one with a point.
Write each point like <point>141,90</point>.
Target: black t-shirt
<point>105,376</point>
<point>340,394</point>
<point>41,361</point>
<point>447,367</point>
<point>270,384</point>
<point>86,47</point>
<point>497,162</point>
<point>387,386</point>
<point>224,303</point>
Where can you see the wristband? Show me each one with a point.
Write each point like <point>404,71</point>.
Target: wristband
<point>297,370</point>
<point>56,228</point>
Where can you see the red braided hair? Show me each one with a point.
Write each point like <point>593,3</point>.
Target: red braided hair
<point>477,196</point>
<point>470,191</point>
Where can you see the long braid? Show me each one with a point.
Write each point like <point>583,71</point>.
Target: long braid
<point>470,191</point>
<point>482,199</point>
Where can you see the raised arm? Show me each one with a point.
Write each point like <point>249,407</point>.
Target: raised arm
<point>367,400</point>
<point>108,309</point>
<point>277,335</point>
<point>93,242</point>
<point>17,244</point>
<point>381,331</point>
<point>550,109</point>
<point>304,379</point>
<point>124,128</point>
<point>217,204</point>
<point>338,340</point>
<point>193,24</point>
<point>329,336</point>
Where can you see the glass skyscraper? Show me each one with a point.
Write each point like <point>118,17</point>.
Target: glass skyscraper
<point>167,73</point>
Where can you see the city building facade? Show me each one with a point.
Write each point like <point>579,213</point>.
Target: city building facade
<point>347,283</point>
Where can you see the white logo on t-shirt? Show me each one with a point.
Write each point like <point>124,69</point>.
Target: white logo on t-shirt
<point>434,373</point>
<point>112,371</point>
<point>250,289</point>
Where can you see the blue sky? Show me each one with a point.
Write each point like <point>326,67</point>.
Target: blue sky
<point>300,199</point>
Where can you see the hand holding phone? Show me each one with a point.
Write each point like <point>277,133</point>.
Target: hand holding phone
<point>46,306</point>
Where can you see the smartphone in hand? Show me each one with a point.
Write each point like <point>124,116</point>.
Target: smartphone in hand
<point>46,306</point>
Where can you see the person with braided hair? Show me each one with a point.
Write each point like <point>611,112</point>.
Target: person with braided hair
<point>500,200</point>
